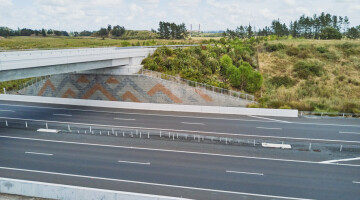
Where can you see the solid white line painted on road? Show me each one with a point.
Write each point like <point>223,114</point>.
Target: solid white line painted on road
<point>153,184</point>
<point>340,160</point>
<point>192,123</point>
<point>7,111</point>
<point>357,182</point>
<point>250,173</point>
<point>349,132</point>
<point>131,162</point>
<point>47,130</point>
<point>183,116</point>
<point>190,131</point>
<point>269,128</point>
<point>36,153</point>
<point>276,120</point>
<point>66,115</point>
<point>174,151</point>
<point>124,119</point>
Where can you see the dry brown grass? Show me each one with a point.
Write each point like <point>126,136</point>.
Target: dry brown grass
<point>333,90</point>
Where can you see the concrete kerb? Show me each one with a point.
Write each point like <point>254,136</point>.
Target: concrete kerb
<point>155,107</point>
<point>68,192</point>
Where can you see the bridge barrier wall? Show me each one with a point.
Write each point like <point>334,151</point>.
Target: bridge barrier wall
<point>67,192</point>
<point>154,106</point>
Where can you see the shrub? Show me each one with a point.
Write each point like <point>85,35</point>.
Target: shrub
<point>292,51</point>
<point>278,81</point>
<point>304,69</point>
<point>274,47</point>
<point>341,78</point>
<point>322,49</point>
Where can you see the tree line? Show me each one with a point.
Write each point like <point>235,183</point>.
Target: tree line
<point>323,26</point>
<point>169,30</point>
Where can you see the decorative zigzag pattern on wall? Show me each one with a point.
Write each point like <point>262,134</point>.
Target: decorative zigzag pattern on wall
<point>125,88</point>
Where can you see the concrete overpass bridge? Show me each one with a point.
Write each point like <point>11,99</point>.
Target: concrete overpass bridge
<point>26,64</point>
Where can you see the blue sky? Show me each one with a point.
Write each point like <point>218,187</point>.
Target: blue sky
<point>77,15</point>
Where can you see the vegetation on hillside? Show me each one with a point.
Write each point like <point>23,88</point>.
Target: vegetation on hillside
<point>14,43</point>
<point>310,75</point>
<point>228,65</point>
<point>323,26</point>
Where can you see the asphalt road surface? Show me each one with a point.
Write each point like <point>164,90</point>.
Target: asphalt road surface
<point>172,172</point>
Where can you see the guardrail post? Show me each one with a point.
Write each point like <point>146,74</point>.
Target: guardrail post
<point>46,125</point>
<point>173,136</point>
<point>140,134</point>
<point>26,125</point>
<point>123,134</point>
<point>148,135</point>
<point>100,132</point>
<point>340,148</point>
<point>343,115</point>
<point>225,140</point>
<point>160,133</point>
<point>254,143</point>
<point>69,128</point>
<point>90,128</point>
<point>310,147</point>
<point>169,135</point>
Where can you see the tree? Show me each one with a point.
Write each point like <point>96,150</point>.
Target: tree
<point>329,33</point>
<point>109,28</point>
<point>103,32</point>
<point>117,31</point>
<point>353,33</point>
<point>225,63</point>
<point>85,33</point>
<point>43,33</point>
<point>172,31</point>
<point>50,32</point>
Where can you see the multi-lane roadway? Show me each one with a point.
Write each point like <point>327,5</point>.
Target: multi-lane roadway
<point>168,169</point>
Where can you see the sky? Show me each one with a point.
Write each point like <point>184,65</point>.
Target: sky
<point>78,15</point>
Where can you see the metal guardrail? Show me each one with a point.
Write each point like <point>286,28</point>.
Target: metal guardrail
<point>235,94</point>
<point>164,134</point>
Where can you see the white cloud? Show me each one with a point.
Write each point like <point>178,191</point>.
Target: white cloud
<point>145,14</point>
<point>6,3</point>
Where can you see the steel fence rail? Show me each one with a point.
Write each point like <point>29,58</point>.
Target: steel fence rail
<point>232,93</point>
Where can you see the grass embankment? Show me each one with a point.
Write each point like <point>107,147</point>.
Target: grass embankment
<point>20,43</point>
<point>311,75</point>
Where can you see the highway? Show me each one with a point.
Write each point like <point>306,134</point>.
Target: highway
<point>180,169</point>
<point>302,129</point>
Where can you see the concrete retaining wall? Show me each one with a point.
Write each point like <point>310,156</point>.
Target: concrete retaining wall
<point>130,88</point>
<point>151,106</point>
<point>67,192</point>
